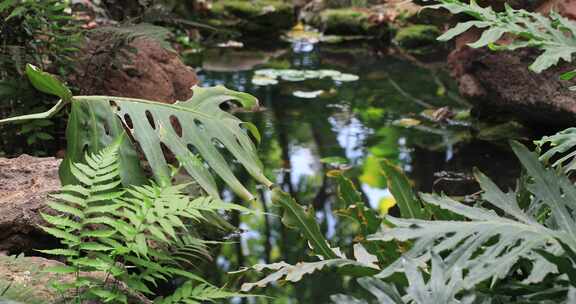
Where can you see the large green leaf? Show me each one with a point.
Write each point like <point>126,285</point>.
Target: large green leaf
<point>363,264</point>
<point>489,244</point>
<point>560,149</point>
<point>47,83</point>
<point>296,217</point>
<point>442,287</point>
<point>406,198</point>
<point>554,34</point>
<point>91,127</point>
<point>197,131</point>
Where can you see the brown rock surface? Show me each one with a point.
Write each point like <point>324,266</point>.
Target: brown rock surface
<point>25,183</point>
<point>28,273</point>
<point>140,69</point>
<point>501,83</point>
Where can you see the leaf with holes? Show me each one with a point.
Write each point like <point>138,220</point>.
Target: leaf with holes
<point>91,127</point>
<point>196,132</point>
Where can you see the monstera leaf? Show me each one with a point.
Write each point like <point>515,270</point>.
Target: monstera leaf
<point>198,132</point>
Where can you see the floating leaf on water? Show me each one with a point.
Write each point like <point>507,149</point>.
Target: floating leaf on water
<point>328,73</point>
<point>272,73</point>
<point>301,75</point>
<point>264,80</point>
<point>304,94</point>
<point>345,77</point>
<point>407,122</point>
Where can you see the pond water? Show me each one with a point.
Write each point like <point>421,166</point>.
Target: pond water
<point>393,110</point>
<point>326,107</point>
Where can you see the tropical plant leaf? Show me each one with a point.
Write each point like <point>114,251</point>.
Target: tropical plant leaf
<point>47,83</point>
<point>198,125</point>
<point>406,198</point>
<point>197,131</point>
<point>559,150</point>
<point>294,273</point>
<point>296,217</point>
<point>187,293</point>
<point>489,245</point>
<point>555,35</point>
<point>91,127</point>
<point>367,218</point>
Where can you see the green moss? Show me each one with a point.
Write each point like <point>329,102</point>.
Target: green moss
<point>348,22</point>
<point>345,22</point>
<point>256,16</point>
<point>417,36</point>
<point>250,9</point>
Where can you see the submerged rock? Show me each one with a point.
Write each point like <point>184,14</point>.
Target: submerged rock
<point>501,83</point>
<point>138,68</point>
<point>25,183</point>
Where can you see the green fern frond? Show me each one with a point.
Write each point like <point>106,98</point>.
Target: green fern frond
<point>188,293</point>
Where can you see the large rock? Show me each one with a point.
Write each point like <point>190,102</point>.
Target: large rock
<point>140,69</point>
<point>25,183</point>
<point>500,83</point>
<point>253,18</point>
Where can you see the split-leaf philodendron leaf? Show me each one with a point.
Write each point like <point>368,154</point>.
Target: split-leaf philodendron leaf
<point>201,135</point>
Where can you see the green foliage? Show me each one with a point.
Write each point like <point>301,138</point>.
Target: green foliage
<point>511,247</point>
<point>558,149</point>
<point>555,35</point>
<point>441,287</point>
<point>42,30</point>
<point>13,290</point>
<point>131,235</point>
<point>407,200</point>
<point>43,33</point>
<point>189,294</point>
<point>297,217</point>
<point>196,131</point>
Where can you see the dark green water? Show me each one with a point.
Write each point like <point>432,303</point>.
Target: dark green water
<point>390,112</point>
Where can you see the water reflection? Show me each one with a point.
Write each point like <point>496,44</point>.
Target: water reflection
<point>357,121</point>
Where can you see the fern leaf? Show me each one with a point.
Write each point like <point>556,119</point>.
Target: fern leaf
<point>64,252</point>
<point>61,221</point>
<point>92,246</point>
<point>69,198</point>
<point>61,234</point>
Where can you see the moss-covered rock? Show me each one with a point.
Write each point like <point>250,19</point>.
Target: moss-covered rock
<point>417,36</point>
<point>348,21</point>
<point>256,16</point>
